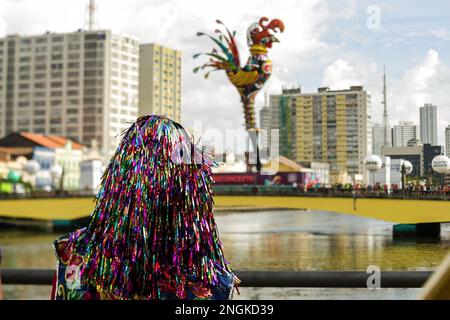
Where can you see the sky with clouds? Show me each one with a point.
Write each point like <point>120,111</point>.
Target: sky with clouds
<point>326,43</point>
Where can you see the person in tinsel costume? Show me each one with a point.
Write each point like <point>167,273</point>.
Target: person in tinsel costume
<point>152,234</point>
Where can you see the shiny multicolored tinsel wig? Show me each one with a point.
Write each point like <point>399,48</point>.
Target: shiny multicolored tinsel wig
<point>152,234</point>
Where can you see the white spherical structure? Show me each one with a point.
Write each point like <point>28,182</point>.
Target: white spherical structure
<point>373,163</point>
<point>32,167</point>
<point>22,161</point>
<point>56,171</point>
<point>408,166</point>
<point>441,164</point>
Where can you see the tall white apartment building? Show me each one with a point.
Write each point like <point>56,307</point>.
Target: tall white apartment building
<point>428,124</point>
<point>403,132</point>
<point>264,124</point>
<point>378,132</point>
<point>83,85</point>
<point>160,81</point>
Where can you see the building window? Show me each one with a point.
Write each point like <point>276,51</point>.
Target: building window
<point>73,74</point>
<point>39,121</point>
<point>73,65</point>
<point>39,94</point>
<point>57,120</point>
<point>55,130</point>
<point>73,56</point>
<point>40,67</point>
<point>56,94</point>
<point>25,59</point>
<point>39,112</point>
<point>74,46</point>
<point>39,103</point>
<point>24,103</point>
<point>72,111</point>
<point>40,85</point>
<point>39,75</point>
<point>73,83</point>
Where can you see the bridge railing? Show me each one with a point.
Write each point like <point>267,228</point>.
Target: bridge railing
<point>292,279</point>
<point>280,190</point>
<point>286,190</point>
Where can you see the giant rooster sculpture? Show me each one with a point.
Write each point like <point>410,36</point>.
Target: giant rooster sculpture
<point>251,78</point>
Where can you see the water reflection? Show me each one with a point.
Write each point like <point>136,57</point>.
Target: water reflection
<point>285,240</point>
<point>308,240</point>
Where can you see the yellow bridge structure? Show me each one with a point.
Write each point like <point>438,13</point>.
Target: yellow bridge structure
<point>64,211</point>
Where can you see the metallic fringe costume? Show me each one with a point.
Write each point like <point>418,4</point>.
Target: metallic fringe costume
<point>152,234</point>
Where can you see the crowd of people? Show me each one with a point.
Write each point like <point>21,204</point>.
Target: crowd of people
<point>412,189</point>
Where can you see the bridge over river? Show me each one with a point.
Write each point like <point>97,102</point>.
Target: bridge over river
<point>413,216</point>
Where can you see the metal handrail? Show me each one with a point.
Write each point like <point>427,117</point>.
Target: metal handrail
<point>261,190</point>
<point>297,279</point>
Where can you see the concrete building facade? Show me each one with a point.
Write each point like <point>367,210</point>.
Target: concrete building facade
<point>378,132</point>
<point>428,124</point>
<point>82,85</point>
<point>160,81</point>
<point>331,126</point>
<point>413,154</point>
<point>264,124</point>
<point>403,132</point>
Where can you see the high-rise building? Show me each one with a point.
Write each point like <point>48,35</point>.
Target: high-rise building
<point>428,124</point>
<point>331,126</point>
<point>447,141</point>
<point>403,132</point>
<point>83,85</point>
<point>264,124</point>
<point>264,117</point>
<point>281,119</point>
<point>160,81</point>
<point>378,134</point>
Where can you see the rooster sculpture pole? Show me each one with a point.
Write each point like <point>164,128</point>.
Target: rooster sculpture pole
<point>250,78</point>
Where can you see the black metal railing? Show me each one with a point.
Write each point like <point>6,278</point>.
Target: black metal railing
<point>297,279</point>
<point>285,190</point>
<point>261,190</point>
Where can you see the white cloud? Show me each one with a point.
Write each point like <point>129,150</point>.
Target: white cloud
<point>175,23</point>
<point>2,19</point>
<point>417,80</point>
<point>341,75</point>
<point>353,70</point>
<point>302,55</point>
<point>425,82</point>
